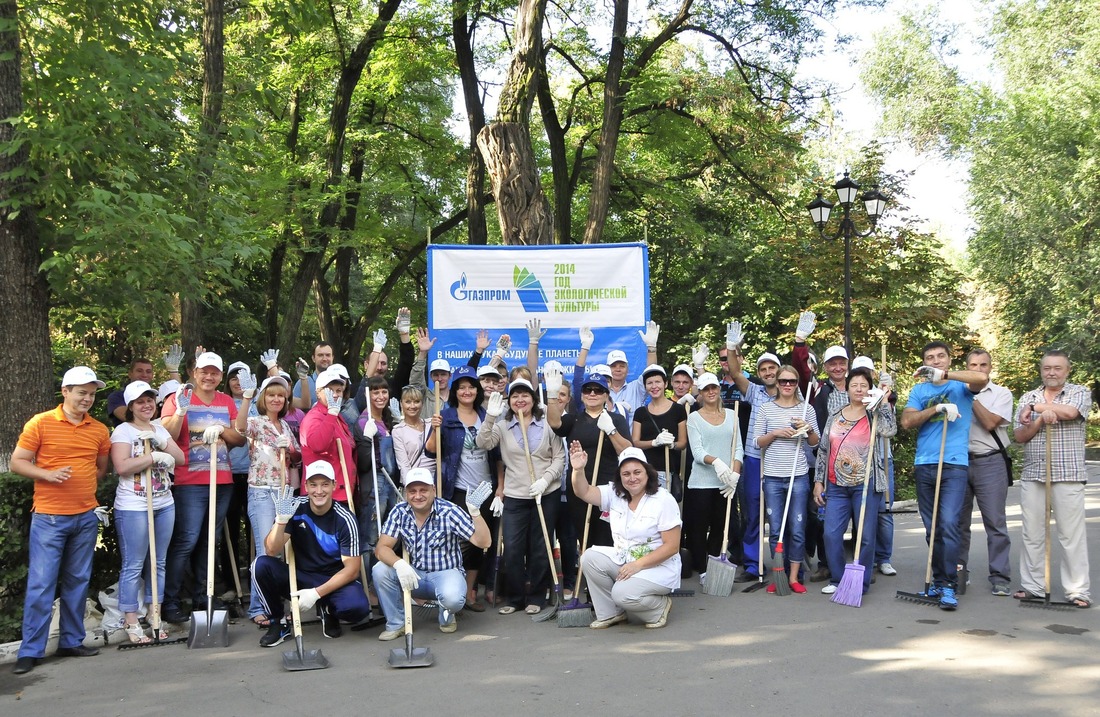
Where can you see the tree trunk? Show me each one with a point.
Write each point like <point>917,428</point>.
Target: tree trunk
<point>26,369</point>
<point>505,144</point>
<point>278,254</point>
<point>476,232</point>
<point>559,161</point>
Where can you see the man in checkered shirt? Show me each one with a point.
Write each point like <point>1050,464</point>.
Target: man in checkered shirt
<point>431,531</point>
<point>1063,407</point>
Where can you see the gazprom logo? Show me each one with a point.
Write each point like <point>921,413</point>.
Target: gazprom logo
<point>530,292</point>
<point>460,293</point>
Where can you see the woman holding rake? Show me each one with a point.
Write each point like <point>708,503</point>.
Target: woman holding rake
<point>841,465</point>
<point>781,426</point>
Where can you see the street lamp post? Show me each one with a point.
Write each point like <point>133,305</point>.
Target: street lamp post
<point>874,202</point>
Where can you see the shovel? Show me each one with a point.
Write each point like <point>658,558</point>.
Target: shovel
<point>410,656</point>
<point>212,628</point>
<point>299,659</point>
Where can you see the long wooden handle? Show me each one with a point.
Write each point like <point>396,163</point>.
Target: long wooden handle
<point>935,505</point>
<point>406,596</point>
<point>295,611</point>
<point>212,499</point>
<point>154,609</point>
<point>1046,559</point>
<point>733,457</point>
<point>866,482</point>
<point>351,506</point>
<point>588,515</point>
<point>438,448</point>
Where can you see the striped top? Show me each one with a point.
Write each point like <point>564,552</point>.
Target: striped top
<point>783,454</point>
<point>56,442</point>
<point>1067,443</point>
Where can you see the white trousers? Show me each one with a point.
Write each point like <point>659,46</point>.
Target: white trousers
<point>1067,502</point>
<point>638,597</point>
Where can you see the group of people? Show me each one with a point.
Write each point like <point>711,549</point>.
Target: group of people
<point>373,481</point>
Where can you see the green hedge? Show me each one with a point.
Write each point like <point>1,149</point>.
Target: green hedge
<point>16,495</point>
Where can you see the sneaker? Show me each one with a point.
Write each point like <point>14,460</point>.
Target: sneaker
<point>330,626</point>
<point>1001,589</point>
<point>449,626</point>
<point>828,589</point>
<point>745,577</point>
<point>276,633</point>
<point>663,619</point>
<point>887,569</point>
<point>932,592</point>
<point>388,635</point>
<point>174,615</point>
<point>702,579</point>
<point>947,598</point>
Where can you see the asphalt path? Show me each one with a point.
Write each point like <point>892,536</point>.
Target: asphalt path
<point>792,655</point>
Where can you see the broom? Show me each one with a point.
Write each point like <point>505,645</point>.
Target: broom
<point>720,571</point>
<point>780,580</point>
<point>575,613</point>
<point>850,590</point>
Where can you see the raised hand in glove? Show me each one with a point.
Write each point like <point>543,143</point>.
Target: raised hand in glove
<point>649,336</point>
<point>406,575</point>
<point>159,443</point>
<point>587,337</point>
<point>949,410</point>
<point>301,367</point>
<point>503,344</point>
<point>734,336</point>
<point>173,357</point>
<point>664,438</point>
<point>535,332</point>
<point>395,407</point>
<point>497,506</point>
<point>699,357</point>
<point>379,342</point>
<point>929,374</point>
<point>495,405</point>
<point>183,399</point>
<point>873,399</point>
<point>605,424</point>
<point>212,434</point>
<point>885,380</point>
<point>403,322</point>
<point>477,496</point>
<point>247,380</point>
<point>807,321</point>
<point>270,358</point>
<point>307,598</point>
<point>285,505</point>
<point>551,375</point>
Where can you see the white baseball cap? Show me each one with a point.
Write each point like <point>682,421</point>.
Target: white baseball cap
<point>521,383</point>
<point>276,381</point>
<point>863,362</point>
<point>135,390</point>
<point>616,356</point>
<point>684,368</point>
<point>602,369</point>
<point>339,368</point>
<point>440,365</point>
<point>322,469</point>
<point>237,366</point>
<point>487,370</point>
<point>768,356</point>
<point>167,389</point>
<point>835,352</point>
<point>419,475</point>
<point>208,359</point>
<point>707,379</point>
<point>80,375</point>
<point>654,370</point>
<point>328,377</point>
<point>632,453</point>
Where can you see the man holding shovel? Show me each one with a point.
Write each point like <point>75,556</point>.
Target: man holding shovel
<point>325,538</point>
<point>431,530</point>
<point>1056,412</point>
<point>943,395</point>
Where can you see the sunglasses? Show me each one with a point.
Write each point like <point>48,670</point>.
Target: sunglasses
<point>787,381</point>
<point>592,389</point>
<point>723,358</point>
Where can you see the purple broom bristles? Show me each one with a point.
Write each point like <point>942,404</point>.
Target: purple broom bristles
<point>850,590</point>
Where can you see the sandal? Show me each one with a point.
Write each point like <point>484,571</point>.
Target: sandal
<point>1025,595</point>
<point>532,610</point>
<point>506,610</point>
<point>261,621</point>
<point>136,633</point>
<point>1080,602</point>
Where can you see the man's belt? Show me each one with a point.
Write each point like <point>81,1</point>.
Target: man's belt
<point>984,455</point>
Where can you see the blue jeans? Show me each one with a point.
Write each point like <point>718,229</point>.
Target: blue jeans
<point>188,546</point>
<point>775,497</point>
<point>61,548</point>
<point>261,516</point>
<point>446,587</point>
<point>748,495</point>
<point>842,504</point>
<point>884,535</point>
<point>132,527</point>
<point>945,548</point>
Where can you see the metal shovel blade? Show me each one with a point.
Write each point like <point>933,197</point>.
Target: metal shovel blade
<point>209,628</point>
<point>298,659</point>
<point>411,656</point>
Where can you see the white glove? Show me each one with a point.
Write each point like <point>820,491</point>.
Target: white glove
<point>403,323</point>
<point>535,332</point>
<point>307,598</point>
<point>604,423</point>
<point>699,357</point>
<point>247,382</point>
<point>731,479</point>
<point>664,438</point>
<point>727,491</point>
<point>551,375</point>
<point>687,401</point>
<point>395,407</point>
<point>623,407</point>
<point>503,344</point>
<point>406,575</point>
<point>183,399</point>
<point>720,468</point>
<point>285,505</point>
<point>885,379</point>
<point>282,441</point>
<point>370,428</point>
<point>929,373</point>
<point>807,320</point>
<point>212,434</point>
<point>330,401</point>
<point>587,337</point>
<point>173,358</point>
<point>301,367</point>
<point>477,496</point>
<point>649,336</point>
<point>873,398</point>
<point>497,507</point>
<point>103,515</point>
<point>379,342</point>
<point>159,443</point>
<point>539,487</point>
<point>270,358</point>
<point>949,410</point>
<point>163,460</point>
<point>495,406</point>
<point>801,432</point>
<point>734,336</point>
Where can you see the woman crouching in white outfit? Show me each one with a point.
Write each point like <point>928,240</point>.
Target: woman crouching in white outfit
<point>636,575</point>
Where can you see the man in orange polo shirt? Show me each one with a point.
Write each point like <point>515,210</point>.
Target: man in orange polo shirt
<point>64,451</point>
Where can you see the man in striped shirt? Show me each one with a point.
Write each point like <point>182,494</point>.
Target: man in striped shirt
<point>431,531</point>
<point>64,451</point>
<point>1060,407</point>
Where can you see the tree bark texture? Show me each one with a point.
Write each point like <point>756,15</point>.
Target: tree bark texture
<point>26,369</point>
<point>476,232</point>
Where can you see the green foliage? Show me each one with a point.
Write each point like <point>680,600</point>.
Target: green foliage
<point>15,524</point>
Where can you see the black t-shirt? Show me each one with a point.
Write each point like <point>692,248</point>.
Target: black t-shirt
<point>652,424</point>
<point>321,540</point>
<point>582,427</point>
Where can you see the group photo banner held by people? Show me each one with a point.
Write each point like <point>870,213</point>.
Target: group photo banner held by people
<point>501,288</point>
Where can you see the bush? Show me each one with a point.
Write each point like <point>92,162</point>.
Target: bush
<point>16,497</point>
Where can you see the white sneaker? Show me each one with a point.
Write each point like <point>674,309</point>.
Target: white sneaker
<point>388,635</point>
<point>702,579</point>
<point>828,589</point>
<point>887,569</point>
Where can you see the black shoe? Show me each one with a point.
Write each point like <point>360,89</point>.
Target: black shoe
<point>78,651</point>
<point>745,578</point>
<point>24,665</point>
<point>175,615</point>
<point>276,633</point>
<point>330,626</point>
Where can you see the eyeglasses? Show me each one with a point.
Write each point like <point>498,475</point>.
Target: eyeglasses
<point>787,381</point>
<point>723,358</point>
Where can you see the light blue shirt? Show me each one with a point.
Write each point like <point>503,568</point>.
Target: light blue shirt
<point>925,395</point>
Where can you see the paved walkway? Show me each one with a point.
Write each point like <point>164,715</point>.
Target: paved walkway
<point>796,655</point>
